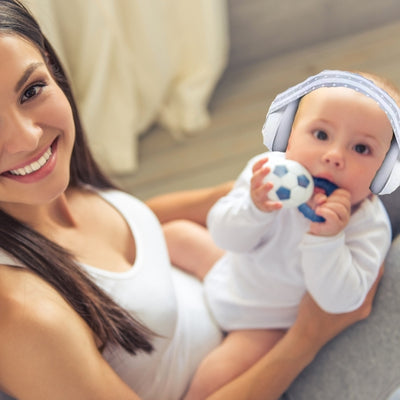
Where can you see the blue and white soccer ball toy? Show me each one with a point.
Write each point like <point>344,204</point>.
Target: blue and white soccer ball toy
<point>293,184</point>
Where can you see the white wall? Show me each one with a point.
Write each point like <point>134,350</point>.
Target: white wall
<point>264,28</point>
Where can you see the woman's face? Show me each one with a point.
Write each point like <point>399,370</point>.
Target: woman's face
<point>36,127</point>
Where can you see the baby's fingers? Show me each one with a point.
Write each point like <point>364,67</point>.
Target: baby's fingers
<point>336,215</point>
<point>259,173</point>
<point>259,164</point>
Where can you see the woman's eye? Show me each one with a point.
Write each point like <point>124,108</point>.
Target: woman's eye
<point>320,135</point>
<point>362,149</point>
<point>32,91</point>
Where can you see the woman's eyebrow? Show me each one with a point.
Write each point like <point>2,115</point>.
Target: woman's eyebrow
<point>27,73</point>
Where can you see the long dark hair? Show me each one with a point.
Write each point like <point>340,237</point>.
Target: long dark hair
<point>110,322</point>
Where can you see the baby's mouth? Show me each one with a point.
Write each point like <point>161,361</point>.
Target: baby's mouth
<point>323,185</point>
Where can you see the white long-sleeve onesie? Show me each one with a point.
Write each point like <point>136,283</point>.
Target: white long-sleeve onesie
<point>271,260</point>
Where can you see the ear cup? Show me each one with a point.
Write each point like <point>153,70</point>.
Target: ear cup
<point>278,125</point>
<point>383,174</point>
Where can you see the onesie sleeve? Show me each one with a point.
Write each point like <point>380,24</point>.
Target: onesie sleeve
<point>340,270</point>
<point>234,222</point>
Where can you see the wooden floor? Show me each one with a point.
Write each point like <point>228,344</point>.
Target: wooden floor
<point>238,109</point>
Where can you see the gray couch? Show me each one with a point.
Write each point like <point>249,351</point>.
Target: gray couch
<point>392,203</point>
<point>363,363</point>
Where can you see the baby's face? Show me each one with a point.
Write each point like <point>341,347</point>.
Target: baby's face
<point>341,135</point>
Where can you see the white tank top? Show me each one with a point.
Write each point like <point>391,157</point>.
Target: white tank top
<point>166,300</point>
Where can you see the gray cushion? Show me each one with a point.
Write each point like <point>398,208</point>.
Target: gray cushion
<point>364,361</point>
<point>392,204</point>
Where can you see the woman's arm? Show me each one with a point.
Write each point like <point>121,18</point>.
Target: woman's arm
<point>270,377</point>
<point>189,204</point>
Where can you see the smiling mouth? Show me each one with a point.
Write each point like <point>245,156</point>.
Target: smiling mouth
<point>33,167</point>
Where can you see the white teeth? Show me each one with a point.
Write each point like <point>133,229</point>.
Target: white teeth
<point>28,169</point>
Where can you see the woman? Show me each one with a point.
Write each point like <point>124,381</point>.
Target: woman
<point>90,307</point>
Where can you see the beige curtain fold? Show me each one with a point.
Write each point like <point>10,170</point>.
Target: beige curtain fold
<point>133,63</point>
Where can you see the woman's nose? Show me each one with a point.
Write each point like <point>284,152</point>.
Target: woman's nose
<point>334,157</point>
<point>19,133</point>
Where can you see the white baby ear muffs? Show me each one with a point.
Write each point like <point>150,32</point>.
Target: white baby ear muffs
<point>280,117</point>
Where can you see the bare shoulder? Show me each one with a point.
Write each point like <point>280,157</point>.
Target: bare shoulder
<point>27,300</point>
<point>32,312</point>
<point>47,351</point>
<point>36,327</point>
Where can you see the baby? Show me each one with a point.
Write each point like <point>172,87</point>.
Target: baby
<point>343,127</point>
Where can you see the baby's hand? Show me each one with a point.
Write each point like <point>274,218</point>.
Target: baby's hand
<point>259,189</point>
<point>336,210</point>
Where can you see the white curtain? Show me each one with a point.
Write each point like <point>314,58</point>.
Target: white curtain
<point>133,63</point>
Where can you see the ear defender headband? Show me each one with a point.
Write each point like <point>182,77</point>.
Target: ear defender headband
<point>280,117</point>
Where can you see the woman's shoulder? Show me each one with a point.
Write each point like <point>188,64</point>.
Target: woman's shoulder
<point>32,312</point>
<point>124,202</point>
<point>45,345</point>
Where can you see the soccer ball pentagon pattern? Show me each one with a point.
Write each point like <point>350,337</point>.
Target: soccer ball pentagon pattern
<point>293,184</point>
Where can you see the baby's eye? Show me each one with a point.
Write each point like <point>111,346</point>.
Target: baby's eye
<point>32,91</point>
<point>362,149</point>
<point>320,135</point>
